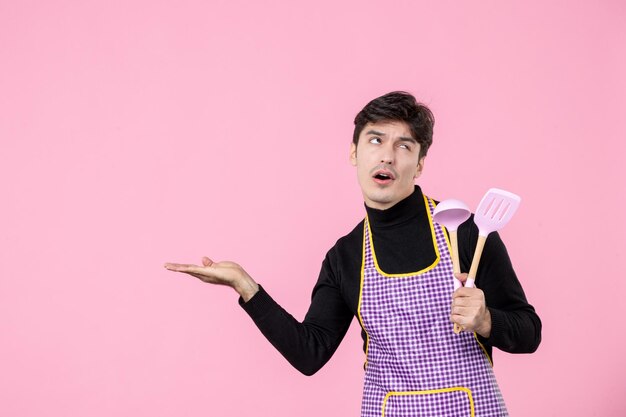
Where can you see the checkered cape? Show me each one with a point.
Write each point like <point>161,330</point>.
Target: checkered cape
<point>416,365</point>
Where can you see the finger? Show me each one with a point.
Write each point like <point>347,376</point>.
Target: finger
<point>456,308</point>
<point>206,261</point>
<point>174,267</point>
<point>458,319</point>
<point>467,312</point>
<point>184,268</point>
<point>459,294</point>
<point>467,292</point>
<point>461,302</point>
<point>462,292</point>
<point>200,277</point>
<point>204,278</point>
<point>463,322</point>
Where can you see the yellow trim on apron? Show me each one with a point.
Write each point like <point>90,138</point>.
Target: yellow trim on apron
<point>358,309</point>
<point>408,274</point>
<point>430,391</point>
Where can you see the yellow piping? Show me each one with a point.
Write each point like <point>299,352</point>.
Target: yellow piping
<point>431,391</point>
<point>483,348</point>
<point>408,274</point>
<point>358,309</point>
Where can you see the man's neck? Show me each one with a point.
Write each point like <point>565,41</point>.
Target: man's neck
<point>404,210</point>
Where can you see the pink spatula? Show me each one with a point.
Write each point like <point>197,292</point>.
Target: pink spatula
<point>493,213</point>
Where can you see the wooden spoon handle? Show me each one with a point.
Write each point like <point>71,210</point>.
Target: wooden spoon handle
<point>455,252</point>
<point>469,283</point>
<point>456,265</point>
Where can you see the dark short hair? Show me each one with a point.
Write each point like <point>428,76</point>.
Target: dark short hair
<point>398,106</point>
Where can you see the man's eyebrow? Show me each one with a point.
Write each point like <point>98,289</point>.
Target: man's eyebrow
<point>402,138</point>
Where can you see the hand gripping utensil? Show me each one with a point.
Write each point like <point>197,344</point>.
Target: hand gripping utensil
<point>493,213</point>
<point>450,214</point>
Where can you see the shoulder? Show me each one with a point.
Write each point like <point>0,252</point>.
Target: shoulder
<point>351,240</point>
<point>342,266</point>
<point>347,249</point>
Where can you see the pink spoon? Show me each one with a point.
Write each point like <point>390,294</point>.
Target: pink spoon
<point>450,214</point>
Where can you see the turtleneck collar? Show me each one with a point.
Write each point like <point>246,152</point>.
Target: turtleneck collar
<point>401,212</point>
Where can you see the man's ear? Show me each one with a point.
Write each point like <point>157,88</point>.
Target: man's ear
<point>420,167</point>
<point>353,154</point>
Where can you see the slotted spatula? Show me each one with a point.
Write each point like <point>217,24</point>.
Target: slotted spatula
<point>493,213</point>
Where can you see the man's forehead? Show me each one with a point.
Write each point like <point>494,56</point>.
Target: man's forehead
<point>388,128</point>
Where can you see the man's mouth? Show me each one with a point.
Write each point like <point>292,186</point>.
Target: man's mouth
<point>383,177</point>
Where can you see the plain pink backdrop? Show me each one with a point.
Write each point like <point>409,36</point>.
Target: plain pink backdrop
<point>139,132</point>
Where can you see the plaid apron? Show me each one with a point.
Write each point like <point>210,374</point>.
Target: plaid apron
<point>416,365</point>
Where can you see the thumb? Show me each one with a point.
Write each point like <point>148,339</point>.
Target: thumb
<point>461,277</point>
<point>206,261</point>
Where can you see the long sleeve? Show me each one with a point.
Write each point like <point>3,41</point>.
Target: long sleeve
<point>515,326</point>
<point>404,244</point>
<point>309,344</point>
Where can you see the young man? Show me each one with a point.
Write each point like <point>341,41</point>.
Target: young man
<point>394,273</point>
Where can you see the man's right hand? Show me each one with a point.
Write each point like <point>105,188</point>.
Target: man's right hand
<point>221,273</point>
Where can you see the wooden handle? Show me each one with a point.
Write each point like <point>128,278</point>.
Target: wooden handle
<point>476,259</point>
<point>473,269</point>
<point>456,265</point>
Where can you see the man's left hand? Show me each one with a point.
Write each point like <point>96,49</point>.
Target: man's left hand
<point>469,309</point>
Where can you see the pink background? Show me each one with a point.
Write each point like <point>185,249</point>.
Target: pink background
<point>139,132</point>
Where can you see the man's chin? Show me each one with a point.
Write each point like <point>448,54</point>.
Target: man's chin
<point>384,199</point>
<point>380,201</point>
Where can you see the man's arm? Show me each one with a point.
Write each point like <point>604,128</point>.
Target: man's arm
<point>307,345</point>
<point>514,326</point>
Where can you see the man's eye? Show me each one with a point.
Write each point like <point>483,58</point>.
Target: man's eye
<point>405,146</point>
<point>375,140</point>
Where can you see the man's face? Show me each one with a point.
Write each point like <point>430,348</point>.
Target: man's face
<point>387,163</point>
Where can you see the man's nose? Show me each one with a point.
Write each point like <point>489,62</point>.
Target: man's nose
<point>387,156</point>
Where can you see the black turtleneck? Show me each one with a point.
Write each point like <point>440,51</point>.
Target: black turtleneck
<point>403,242</point>
<point>402,235</point>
